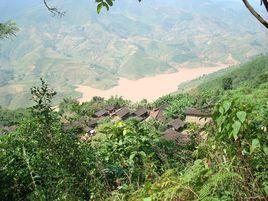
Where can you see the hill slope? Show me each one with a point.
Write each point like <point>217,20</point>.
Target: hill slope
<point>133,40</point>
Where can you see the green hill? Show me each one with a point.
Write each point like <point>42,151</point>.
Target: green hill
<point>130,41</point>
<point>252,75</point>
<point>52,155</point>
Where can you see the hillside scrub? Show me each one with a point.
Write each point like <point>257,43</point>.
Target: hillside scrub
<point>130,160</point>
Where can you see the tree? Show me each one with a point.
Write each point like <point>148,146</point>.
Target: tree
<point>227,83</point>
<point>8,29</point>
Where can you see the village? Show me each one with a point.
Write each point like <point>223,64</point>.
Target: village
<point>176,128</point>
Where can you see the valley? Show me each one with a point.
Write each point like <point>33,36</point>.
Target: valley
<point>149,88</point>
<point>131,42</point>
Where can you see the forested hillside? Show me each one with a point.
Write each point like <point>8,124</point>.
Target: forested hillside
<point>251,74</point>
<point>133,40</point>
<point>57,155</point>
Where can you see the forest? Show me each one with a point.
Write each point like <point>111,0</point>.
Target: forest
<point>226,159</point>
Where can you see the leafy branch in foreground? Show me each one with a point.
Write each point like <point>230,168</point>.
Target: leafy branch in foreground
<point>8,29</point>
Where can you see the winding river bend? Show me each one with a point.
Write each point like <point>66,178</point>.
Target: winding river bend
<point>149,88</point>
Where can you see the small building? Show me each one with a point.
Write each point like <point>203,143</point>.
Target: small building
<point>194,115</point>
<point>141,113</point>
<point>75,125</point>
<point>93,123</point>
<point>158,113</point>
<point>182,139</point>
<point>123,113</point>
<point>171,134</point>
<point>110,108</point>
<point>7,129</point>
<point>101,113</point>
<point>176,124</point>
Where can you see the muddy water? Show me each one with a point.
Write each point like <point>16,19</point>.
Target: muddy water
<point>150,88</point>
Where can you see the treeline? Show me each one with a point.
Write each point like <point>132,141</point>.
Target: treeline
<point>130,160</point>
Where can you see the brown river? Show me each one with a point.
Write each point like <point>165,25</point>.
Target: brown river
<point>149,88</point>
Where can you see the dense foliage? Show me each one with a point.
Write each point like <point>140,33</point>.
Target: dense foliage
<point>130,160</point>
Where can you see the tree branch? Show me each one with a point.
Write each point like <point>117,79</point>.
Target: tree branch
<point>53,10</point>
<point>255,14</point>
<point>265,2</point>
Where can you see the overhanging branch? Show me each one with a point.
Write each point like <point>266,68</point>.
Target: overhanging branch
<point>255,14</point>
<point>53,10</point>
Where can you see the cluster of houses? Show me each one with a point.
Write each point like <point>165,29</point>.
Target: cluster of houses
<point>174,127</point>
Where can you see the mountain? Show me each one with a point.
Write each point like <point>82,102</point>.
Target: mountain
<point>132,40</point>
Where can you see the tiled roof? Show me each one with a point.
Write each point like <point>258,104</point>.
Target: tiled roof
<point>141,111</point>
<point>122,112</point>
<point>110,108</point>
<point>196,112</point>
<point>170,134</point>
<point>177,123</point>
<point>101,113</point>
<point>93,123</point>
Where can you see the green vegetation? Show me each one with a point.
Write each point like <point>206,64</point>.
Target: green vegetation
<point>8,29</point>
<point>132,41</point>
<point>130,160</point>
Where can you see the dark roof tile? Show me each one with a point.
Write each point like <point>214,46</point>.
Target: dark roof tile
<point>101,113</point>
<point>141,111</point>
<point>176,123</point>
<point>196,112</point>
<point>123,112</point>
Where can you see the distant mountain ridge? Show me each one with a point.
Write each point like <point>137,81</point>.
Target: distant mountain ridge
<point>132,40</point>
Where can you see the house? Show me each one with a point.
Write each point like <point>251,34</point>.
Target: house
<point>75,125</point>
<point>158,113</point>
<point>110,108</point>
<point>93,123</point>
<point>122,113</point>
<point>194,115</point>
<point>7,129</point>
<point>91,127</point>
<point>141,113</point>
<point>101,113</point>
<point>182,139</point>
<point>176,124</point>
<point>171,134</point>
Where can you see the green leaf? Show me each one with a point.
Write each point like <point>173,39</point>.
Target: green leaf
<point>226,105</point>
<point>106,5</point>
<point>132,156</point>
<point>265,150</point>
<point>110,2</point>
<point>142,153</point>
<point>266,190</point>
<point>99,7</point>
<point>241,116</point>
<point>147,199</point>
<point>255,145</point>
<point>236,128</point>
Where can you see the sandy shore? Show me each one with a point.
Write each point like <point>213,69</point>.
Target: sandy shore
<point>150,88</point>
